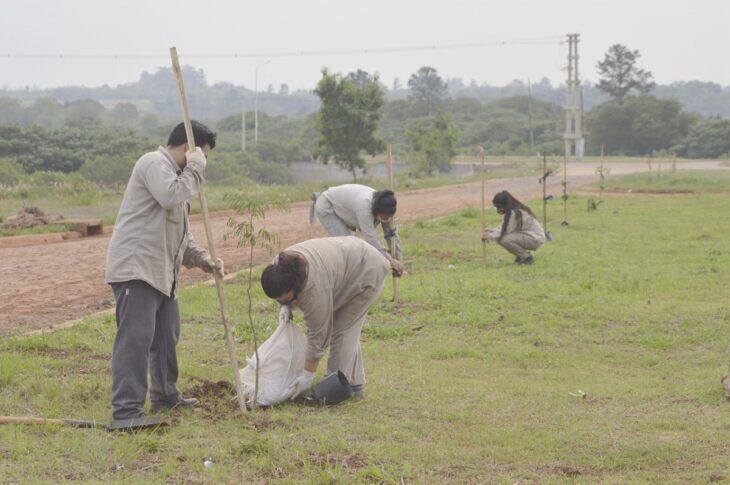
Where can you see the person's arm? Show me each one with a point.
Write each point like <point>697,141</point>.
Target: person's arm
<point>493,234</point>
<point>194,255</point>
<point>366,225</point>
<point>168,188</point>
<point>391,232</point>
<point>197,257</point>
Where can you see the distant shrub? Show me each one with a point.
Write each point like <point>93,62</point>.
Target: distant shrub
<point>236,168</point>
<point>108,170</point>
<point>11,172</point>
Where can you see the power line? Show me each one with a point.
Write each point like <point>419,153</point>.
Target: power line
<point>252,55</point>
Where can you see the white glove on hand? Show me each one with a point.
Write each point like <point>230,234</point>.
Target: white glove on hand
<point>209,266</point>
<point>196,159</point>
<point>303,383</point>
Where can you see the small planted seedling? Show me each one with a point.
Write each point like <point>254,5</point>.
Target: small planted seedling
<point>249,235</point>
<point>602,172</point>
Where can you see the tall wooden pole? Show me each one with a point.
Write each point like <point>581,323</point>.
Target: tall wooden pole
<point>565,192</point>
<point>484,206</point>
<point>391,241</point>
<point>209,236</point>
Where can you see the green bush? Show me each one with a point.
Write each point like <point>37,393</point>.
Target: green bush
<point>11,172</point>
<point>237,168</point>
<point>108,170</point>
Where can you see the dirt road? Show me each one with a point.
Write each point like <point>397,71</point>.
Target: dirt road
<point>51,283</point>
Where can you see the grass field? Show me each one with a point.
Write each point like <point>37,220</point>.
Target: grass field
<point>477,377</point>
<point>680,181</point>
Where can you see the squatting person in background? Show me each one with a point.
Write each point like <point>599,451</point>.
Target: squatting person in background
<point>151,241</point>
<point>334,281</point>
<point>520,232</point>
<point>353,207</point>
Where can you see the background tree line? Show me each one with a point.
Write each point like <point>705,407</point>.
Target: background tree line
<point>431,121</point>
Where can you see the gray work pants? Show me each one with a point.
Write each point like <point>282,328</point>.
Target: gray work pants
<point>148,328</point>
<point>326,214</point>
<point>345,352</point>
<point>519,244</point>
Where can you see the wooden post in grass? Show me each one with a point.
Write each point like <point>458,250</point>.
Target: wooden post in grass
<point>484,205</point>
<point>209,236</point>
<point>391,241</point>
<point>565,192</point>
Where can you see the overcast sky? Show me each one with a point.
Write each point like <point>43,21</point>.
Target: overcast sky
<point>678,40</point>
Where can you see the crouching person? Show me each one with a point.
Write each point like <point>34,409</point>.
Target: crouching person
<point>354,207</point>
<point>334,281</point>
<point>151,241</point>
<point>520,232</point>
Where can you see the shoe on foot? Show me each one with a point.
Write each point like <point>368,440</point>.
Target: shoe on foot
<point>182,403</point>
<point>527,260</point>
<point>518,260</point>
<point>139,422</point>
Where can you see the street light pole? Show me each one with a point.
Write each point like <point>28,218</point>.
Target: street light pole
<point>256,104</point>
<point>243,126</point>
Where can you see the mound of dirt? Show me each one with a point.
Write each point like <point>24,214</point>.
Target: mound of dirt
<point>27,217</point>
<point>216,398</point>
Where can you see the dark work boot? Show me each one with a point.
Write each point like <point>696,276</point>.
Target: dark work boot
<point>527,260</point>
<point>518,260</point>
<point>183,403</point>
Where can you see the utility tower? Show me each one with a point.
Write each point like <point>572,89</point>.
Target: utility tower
<point>574,142</point>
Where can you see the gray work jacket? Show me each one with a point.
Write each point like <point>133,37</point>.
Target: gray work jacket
<point>530,227</point>
<point>152,238</point>
<point>339,269</point>
<point>353,204</point>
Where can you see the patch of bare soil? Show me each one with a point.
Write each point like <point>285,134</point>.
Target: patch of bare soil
<point>216,398</point>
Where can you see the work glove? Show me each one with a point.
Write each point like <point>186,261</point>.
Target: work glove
<point>398,267</point>
<point>303,383</point>
<point>196,159</point>
<point>209,266</point>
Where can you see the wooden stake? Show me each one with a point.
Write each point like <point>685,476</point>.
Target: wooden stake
<point>209,235</point>
<point>565,192</point>
<point>391,242</point>
<point>484,206</point>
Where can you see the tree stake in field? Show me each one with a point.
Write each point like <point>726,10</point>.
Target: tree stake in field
<point>209,235</point>
<point>391,241</point>
<point>484,204</point>
<point>565,192</point>
<point>543,180</point>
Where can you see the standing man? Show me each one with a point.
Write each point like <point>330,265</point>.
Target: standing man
<point>352,207</point>
<point>151,240</point>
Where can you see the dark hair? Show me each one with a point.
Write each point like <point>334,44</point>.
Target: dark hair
<point>384,202</point>
<point>289,272</point>
<point>507,202</point>
<point>203,136</point>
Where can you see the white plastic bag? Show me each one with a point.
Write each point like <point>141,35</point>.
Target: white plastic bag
<point>281,363</point>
